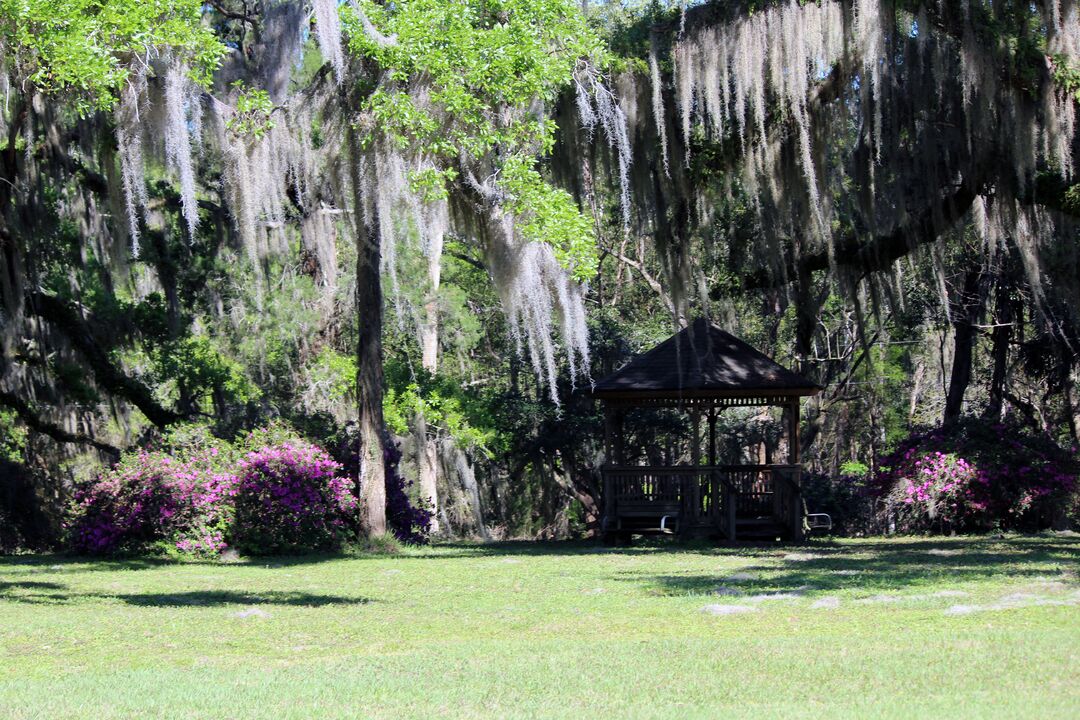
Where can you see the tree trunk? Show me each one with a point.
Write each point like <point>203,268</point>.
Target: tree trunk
<point>429,357</point>
<point>369,357</point>
<point>960,377</point>
<point>963,346</point>
<point>428,462</point>
<point>1070,408</point>
<point>1072,382</point>
<point>916,389</point>
<point>1000,338</point>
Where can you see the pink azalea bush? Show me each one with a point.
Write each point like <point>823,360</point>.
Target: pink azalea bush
<point>152,498</point>
<point>292,497</point>
<point>197,495</point>
<point>976,476</point>
<point>941,489</point>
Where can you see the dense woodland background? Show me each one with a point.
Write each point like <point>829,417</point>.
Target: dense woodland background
<point>216,227</point>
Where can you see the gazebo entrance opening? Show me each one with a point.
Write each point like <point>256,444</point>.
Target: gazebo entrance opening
<point>701,371</point>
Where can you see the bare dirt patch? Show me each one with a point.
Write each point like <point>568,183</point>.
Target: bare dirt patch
<point>728,609</point>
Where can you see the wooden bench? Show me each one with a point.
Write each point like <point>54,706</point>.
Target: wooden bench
<point>644,509</point>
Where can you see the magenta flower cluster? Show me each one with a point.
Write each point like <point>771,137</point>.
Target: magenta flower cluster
<point>151,497</point>
<point>941,487</point>
<point>292,497</point>
<point>974,476</point>
<point>284,497</point>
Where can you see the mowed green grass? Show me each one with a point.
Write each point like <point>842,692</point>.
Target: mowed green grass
<point>976,628</point>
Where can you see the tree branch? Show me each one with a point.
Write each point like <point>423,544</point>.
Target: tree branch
<point>879,252</point>
<point>466,259</point>
<point>230,14</point>
<point>651,281</point>
<point>77,329</point>
<point>37,424</point>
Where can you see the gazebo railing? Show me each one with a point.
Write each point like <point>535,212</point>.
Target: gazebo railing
<point>717,496</point>
<point>682,492</point>
<point>753,488</point>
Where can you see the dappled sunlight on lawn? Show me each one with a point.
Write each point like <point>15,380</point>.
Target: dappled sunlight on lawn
<point>900,573</point>
<point>517,629</point>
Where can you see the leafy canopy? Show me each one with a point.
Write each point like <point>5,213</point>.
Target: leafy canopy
<point>88,48</point>
<point>463,83</point>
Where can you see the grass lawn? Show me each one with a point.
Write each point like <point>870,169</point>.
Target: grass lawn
<point>905,628</point>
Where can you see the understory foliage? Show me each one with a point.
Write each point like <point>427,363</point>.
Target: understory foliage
<point>844,497</point>
<point>408,517</point>
<point>409,520</point>
<point>11,539</point>
<point>976,476</point>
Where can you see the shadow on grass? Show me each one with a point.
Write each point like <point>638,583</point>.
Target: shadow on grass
<point>507,548</point>
<point>71,563</point>
<point>48,593</point>
<point>881,567</point>
<point>6,587</point>
<point>823,555</point>
<point>226,597</point>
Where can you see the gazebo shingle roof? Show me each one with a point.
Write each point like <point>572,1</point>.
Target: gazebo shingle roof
<point>703,360</point>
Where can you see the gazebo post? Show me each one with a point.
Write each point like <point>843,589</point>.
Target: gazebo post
<point>691,490</point>
<point>714,478</point>
<point>794,491</point>
<point>609,455</point>
<point>695,441</point>
<point>793,431</point>
<point>620,443</point>
<point>712,436</point>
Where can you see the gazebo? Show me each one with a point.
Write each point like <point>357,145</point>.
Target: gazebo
<point>702,370</point>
